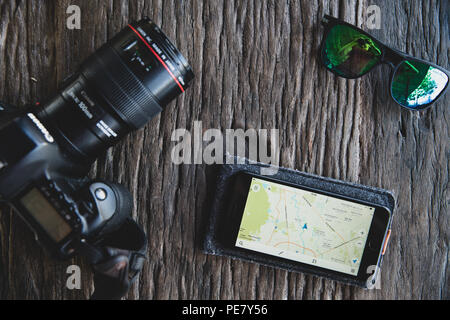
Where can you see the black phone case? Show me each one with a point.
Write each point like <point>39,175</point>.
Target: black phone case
<point>213,244</point>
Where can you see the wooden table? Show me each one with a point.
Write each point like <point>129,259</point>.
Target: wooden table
<point>257,67</point>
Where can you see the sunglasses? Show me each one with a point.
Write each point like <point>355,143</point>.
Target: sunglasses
<point>349,52</point>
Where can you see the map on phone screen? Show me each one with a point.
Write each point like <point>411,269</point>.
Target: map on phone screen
<point>304,226</point>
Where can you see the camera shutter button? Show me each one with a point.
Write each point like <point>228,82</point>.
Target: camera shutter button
<point>101,194</point>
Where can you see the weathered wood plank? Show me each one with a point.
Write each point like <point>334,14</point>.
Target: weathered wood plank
<point>257,67</point>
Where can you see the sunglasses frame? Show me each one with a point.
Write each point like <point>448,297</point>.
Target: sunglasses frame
<point>392,57</point>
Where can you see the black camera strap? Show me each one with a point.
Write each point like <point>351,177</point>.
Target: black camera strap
<point>116,260</point>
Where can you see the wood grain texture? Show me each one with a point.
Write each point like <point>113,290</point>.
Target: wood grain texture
<point>257,66</point>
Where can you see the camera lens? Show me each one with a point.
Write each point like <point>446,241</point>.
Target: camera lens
<point>117,90</point>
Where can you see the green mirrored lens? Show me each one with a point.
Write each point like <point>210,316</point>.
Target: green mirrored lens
<point>349,52</point>
<point>417,84</point>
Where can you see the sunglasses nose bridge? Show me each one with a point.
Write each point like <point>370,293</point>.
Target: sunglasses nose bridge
<point>391,58</point>
<point>389,63</point>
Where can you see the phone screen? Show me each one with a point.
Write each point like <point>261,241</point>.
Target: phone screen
<point>304,226</point>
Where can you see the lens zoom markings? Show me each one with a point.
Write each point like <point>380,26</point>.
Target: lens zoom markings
<point>158,57</point>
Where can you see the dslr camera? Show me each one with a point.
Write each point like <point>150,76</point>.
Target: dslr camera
<point>47,150</point>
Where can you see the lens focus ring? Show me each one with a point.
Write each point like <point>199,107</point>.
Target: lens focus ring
<point>129,98</point>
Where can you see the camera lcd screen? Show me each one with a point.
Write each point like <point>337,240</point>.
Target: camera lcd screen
<point>46,215</point>
<point>304,226</point>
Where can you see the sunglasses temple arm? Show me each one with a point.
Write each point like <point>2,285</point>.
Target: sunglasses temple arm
<point>325,21</point>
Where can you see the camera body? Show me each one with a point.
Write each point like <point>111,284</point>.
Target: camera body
<point>49,190</point>
<point>46,151</point>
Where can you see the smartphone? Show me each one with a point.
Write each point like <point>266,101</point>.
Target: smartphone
<point>319,231</point>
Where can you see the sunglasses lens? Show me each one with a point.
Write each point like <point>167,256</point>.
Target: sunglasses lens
<point>349,52</point>
<point>416,84</point>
